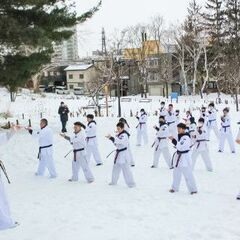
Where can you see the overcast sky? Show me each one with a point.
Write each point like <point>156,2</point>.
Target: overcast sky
<point>117,14</point>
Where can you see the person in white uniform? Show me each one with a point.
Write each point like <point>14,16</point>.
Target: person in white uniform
<point>6,220</point>
<point>127,129</point>
<point>91,140</point>
<point>226,132</point>
<point>161,143</point>
<point>238,142</point>
<point>177,114</point>
<point>212,120</point>
<point>192,127</point>
<point>171,120</point>
<point>121,161</point>
<point>142,128</point>
<point>45,154</point>
<point>182,162</point>
<point>200,147</point>
<point>79,154</point>
<point>187,118</point>
<point>204,115</point>
<point>163,110</point>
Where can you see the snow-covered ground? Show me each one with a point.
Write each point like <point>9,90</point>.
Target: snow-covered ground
<point>56,209</point>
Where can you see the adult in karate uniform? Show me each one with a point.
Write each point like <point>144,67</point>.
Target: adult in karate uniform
<point>182,162</point>
<point>226,132</point>
<point>91,141</point>
<point>163,110</point>
<point>45,154</point>
<point>192,128</point>
<point>171,120</point>
<point>204,115</point>
<point>127,129</point>
<point>121,161</point>
<point>200,147</point>
<point>161,143</point>
<point>79,154</point>
<point>212,120</point>
<point>238,142</point>
<point>6,220</point>
<point>142,128</point>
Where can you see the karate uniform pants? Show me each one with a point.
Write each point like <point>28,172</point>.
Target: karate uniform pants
<point>213,128</point>
<point>5,216</point>
<point>226,136</point>
<point>166,156</point>
<point>142,135</point>
<point>46,161</point>
<point>127,174</point>
<point>189,178</point>
<point>173,130</point>
<point>130,156</point>
<point>205,157</point>
<point>81,162</point>
<point>92,150</point>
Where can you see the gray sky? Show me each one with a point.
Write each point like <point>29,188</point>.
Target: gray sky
<point>117,14</point>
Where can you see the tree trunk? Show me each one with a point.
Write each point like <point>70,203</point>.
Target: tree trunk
<point>12,96</point>
<point>236,97</point>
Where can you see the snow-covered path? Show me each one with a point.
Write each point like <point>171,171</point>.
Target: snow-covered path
<point>56,209</point>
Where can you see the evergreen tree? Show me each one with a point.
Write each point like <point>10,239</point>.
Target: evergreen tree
<point>28,29</point>
<point>214,19</point>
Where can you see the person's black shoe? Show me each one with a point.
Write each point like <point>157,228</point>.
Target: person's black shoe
<point>192,193</point>
<point>99,164</point>
<point>132,165</point>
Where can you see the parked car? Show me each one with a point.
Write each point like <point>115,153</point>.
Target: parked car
<point>78,91</point>
<point>61,90</point>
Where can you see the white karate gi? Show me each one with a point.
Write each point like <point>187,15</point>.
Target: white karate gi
<point>192,131</point>
<point>5,215</point>
<point>226,134</point>
<point>121,161</point>
<point>79,157</point>
<point>142,129</point>
<point>45,140</point>
<point>171,120</point>
<point>187,120</point>
<point>201,148</point>
<point>205,117</point>
<point>182,164</point>
<point>163,112</point>
<point>161,146</point>
<point>130,155</point>
<point>92,145</point>
<point>238,138</point>
<point>212,122</point>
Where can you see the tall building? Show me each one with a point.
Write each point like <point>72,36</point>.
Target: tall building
<point>67,51</point>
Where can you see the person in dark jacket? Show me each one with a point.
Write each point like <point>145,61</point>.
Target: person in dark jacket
<point>63,112</point>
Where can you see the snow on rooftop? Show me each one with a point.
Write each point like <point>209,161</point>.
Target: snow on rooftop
<point>80,67</point>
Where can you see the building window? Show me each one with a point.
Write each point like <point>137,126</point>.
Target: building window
<point>81,76</point>
<point>70,76</point>
<point>71,86</point>
<point>80,85</point>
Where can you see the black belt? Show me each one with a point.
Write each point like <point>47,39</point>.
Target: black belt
<point>75,153</point>
<point>117,153</point>
<point>90,138</point>
<point>210,121</point>
<point>225,127</point>
<point>179,153</point>
<point>40,148</point>
<point>201,140</point>
<point>169,123</point>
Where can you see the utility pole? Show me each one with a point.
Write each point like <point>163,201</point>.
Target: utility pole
<point>118,90</point>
